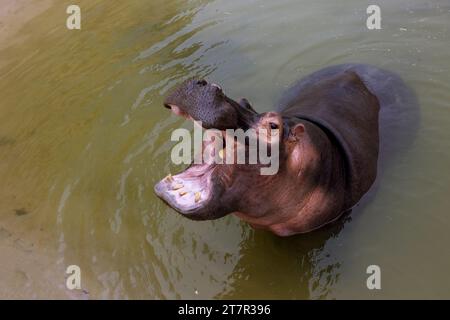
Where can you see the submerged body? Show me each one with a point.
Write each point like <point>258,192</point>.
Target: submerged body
<point>329,148</point>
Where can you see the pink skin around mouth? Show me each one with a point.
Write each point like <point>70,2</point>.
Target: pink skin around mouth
<point>189,189</point>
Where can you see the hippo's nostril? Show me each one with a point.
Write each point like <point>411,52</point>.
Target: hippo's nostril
<point>202,82</point>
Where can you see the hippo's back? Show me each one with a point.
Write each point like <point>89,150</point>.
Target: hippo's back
<point>399,111</point>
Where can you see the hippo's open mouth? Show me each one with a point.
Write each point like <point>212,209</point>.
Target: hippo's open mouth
<point>195,191</point>
<point>198,192</point>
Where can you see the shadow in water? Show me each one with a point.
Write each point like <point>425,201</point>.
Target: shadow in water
<point>298,267</point>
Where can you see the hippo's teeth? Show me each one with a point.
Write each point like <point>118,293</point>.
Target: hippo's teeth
<point>169,178</point>
<point>177,186</point>
<point>198,196</point>
<point>221,154</point>
<point>182,193</point>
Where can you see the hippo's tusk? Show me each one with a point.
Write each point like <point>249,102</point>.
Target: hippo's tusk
<point>182,193</point>
<point>177,186</point>
<point>198,196</point>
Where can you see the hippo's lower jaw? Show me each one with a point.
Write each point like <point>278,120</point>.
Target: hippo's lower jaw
<point>188,192</point>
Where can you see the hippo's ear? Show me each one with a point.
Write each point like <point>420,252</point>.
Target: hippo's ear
<point>296,132</point>
<point>245,104</point>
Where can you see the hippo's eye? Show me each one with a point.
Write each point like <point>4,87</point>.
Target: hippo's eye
<point>202,82</point>
<point>273,126</point>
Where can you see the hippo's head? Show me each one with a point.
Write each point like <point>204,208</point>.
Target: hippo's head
<point>210,190</point>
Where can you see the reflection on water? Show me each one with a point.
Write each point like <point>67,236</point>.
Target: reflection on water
<point>84,137</point>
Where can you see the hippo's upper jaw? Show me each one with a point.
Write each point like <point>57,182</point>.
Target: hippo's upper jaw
<point>202,101</point>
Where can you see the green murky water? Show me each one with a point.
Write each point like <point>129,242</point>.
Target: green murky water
<point>84,137</point>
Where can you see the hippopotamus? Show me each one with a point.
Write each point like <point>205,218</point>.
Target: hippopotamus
<point>330,126</point>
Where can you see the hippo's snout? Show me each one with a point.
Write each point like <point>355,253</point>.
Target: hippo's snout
<point>199,100</point>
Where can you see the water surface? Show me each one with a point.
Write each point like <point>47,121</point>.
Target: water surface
<point>84,137</point>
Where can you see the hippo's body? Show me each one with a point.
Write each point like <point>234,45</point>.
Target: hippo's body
<point>398,117</point>
<point>331,123</point>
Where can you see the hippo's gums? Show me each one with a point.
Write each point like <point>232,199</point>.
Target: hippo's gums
<point>332,126</point>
